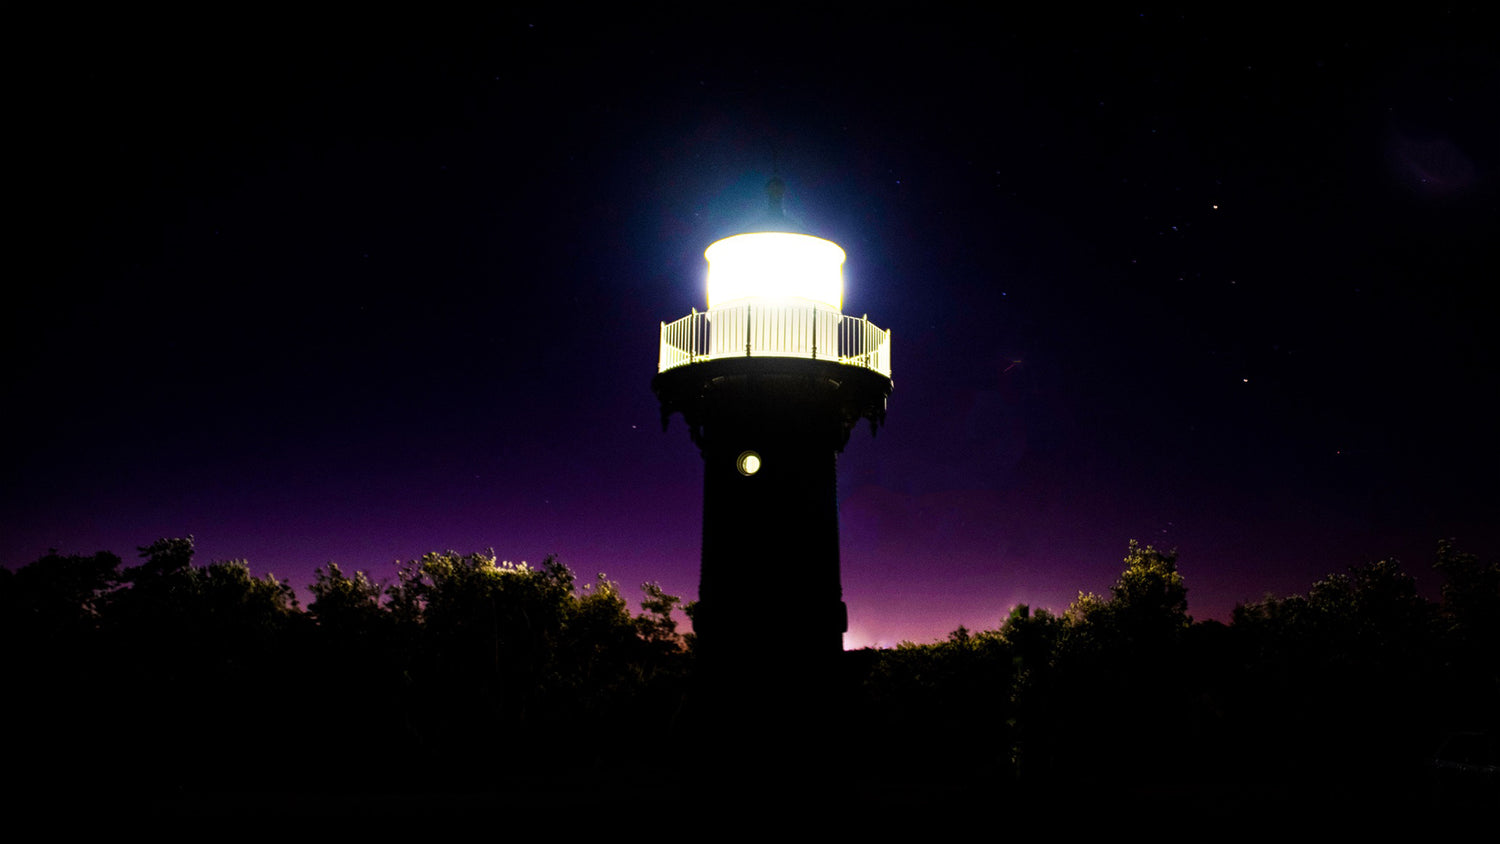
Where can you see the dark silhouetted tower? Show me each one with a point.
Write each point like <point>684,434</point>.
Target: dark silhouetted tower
<point>771,380</point>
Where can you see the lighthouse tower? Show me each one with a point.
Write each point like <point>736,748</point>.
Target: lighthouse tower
<point>771,379</point>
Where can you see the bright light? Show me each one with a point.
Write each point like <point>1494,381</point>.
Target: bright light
<point>748,463</point>
<point>775,265</point>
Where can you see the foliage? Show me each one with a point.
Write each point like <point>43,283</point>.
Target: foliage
<point>169,597</point>
<point>1150,598</point>
<point>521,645</point>
<point>1118,684</point>
<point>920,692</point>
<point>57,595</point>
<point>336,596</point>
<point>524,644</point>
<point>656,623</point>
<point>1145,613</point>
<point>1085,609</point>
<point>1471,593</point>
<point>354,638</point>
<point>1032,636</point>
<point>163,558</point>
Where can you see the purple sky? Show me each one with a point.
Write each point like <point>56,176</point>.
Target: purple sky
<point>355,294</point>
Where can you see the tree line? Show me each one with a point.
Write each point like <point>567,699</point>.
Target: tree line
<point>1340,695</point>
<point>168,677</point>
<point>172,677</point>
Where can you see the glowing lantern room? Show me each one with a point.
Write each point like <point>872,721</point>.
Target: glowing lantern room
<point>775,294</point>
<point>777,268</point>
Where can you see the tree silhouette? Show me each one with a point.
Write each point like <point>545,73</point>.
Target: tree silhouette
<point>1116,698</point>
<point>55,667</point>
<point>56,599</point>
<point>1149,601</point>
<point>1471,617</point>
<point>1341,690</point>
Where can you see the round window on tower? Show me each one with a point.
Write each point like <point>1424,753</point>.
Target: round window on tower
<point>748,463</point>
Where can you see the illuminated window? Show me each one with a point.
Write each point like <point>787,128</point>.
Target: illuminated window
<point>748,463</point>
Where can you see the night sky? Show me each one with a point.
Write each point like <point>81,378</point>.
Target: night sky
<point>341,289</point>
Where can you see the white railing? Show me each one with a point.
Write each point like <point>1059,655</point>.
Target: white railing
<point>773,330</point>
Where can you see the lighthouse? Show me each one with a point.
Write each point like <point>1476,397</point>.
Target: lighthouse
<point>771,380</point>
